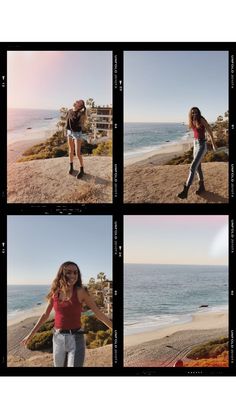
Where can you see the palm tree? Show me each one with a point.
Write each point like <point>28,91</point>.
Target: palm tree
<point>102,278</point>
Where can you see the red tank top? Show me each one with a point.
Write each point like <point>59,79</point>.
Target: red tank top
<point>199,133</point>
<point>67,313</point>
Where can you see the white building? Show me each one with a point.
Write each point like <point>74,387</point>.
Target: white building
<point>100,118</point>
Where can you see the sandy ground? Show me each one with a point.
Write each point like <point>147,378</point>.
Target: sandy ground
<point>48,181</point>
<point>19,356</point>
<point>150,181</point>
<point>163,347</point>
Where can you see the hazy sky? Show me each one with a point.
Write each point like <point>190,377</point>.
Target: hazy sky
<point>38,245</point>
<point>179,239</point>
<point>52,79</point>
<point>161,86</point>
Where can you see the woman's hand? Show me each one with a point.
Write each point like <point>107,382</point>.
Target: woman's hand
<point>26,340</point>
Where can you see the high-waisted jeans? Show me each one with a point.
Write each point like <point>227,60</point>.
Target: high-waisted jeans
<point>70,346</point>
<point>199,150</point>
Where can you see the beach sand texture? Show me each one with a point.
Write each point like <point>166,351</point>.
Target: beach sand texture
<point>19,356</point>
<point>163,347</point>
<point>150,181</point>
<point>48,181</point>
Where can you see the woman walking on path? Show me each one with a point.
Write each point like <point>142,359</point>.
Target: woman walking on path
<point>199,125</point>
<point>66,296</point>
<point>76,118</point>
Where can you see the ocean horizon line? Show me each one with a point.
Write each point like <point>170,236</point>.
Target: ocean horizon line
<point>139,122</point>
<point>174,264</point>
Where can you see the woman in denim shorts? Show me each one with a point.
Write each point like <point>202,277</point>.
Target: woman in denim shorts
<point>67,295</point>
<point>75,121</point>
<point>199,125</point>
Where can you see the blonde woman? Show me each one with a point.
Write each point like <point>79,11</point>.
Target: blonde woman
<point>66,297</point>
<point>199,125</point>
<point>76,119</point>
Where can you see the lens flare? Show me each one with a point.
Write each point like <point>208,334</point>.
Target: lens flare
<point>219,247</point>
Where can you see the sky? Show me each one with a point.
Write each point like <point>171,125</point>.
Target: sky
<point>161,86</point>
<point>38,245</point>
<point>53,79</point>
<point>178,239</point>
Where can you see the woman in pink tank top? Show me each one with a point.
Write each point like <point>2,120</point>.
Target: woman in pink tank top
<point>199,125</point>
<point>66,296</point>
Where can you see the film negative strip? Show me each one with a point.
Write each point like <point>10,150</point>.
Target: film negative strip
<point>119,157</point>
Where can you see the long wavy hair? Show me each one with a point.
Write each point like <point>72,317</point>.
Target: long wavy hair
<point>197,121</point>
<point>83,114</point>
<point>60,283</point>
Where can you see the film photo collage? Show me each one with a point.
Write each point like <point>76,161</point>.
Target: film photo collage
<point>117,209</point>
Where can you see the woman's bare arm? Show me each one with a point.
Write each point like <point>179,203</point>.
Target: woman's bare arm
<point>84,296</point>
<point>43,318</point>
<point>209,130</point>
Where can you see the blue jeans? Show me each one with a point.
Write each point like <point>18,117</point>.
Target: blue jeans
<point>70,345</point>
<point>199,150</point>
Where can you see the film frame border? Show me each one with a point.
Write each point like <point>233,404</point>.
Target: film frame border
<point>117,209</point>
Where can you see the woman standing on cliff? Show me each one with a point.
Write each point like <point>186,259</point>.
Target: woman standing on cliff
<point>66,296</point>
<point>75,121</point>
<point>199,125</point>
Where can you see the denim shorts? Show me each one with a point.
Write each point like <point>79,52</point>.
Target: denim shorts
<point>74,135</point>
<point>68,349</point>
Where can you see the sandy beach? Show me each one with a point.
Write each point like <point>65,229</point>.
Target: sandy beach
<point>163,154</point>
<point>19,356</point>
<point>161,348</point>
<point>48,181</point>
<point>150,181</point>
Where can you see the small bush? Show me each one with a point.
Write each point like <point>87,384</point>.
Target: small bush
<point>219,156</point>
<point>41,341</point>
<point>47,326</point>
<point>104,148</point>
<point>212,349</point>
<point>91,323</point>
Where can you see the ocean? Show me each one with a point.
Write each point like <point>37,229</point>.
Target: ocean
<point>23,298</point>
<point>156,296</point>
<point>141,138</point>
<point>28,124</point>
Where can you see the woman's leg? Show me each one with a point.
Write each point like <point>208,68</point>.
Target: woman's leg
<point>199,152</point>
<point>200,173</point>
<point>76,350</point>
<point>78,151</point>
<point>59,351</point>
<point>71,153</point>
<point>71,148</point>
<point>79,155</point>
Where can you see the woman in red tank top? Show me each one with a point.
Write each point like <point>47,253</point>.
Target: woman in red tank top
<point>66,297</point>
<point>199,125</point>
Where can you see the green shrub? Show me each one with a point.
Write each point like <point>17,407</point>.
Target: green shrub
<point>96,344</point>
<point>91,323</point>
<point>219,156</point>
<point>104,148</point>
<point>47,326</point>
<point>210,349</point>
<point>41,341</point>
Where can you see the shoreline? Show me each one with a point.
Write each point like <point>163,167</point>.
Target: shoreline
<point>26,314</point>
<point>200,321</point>
<point>162,154</point>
